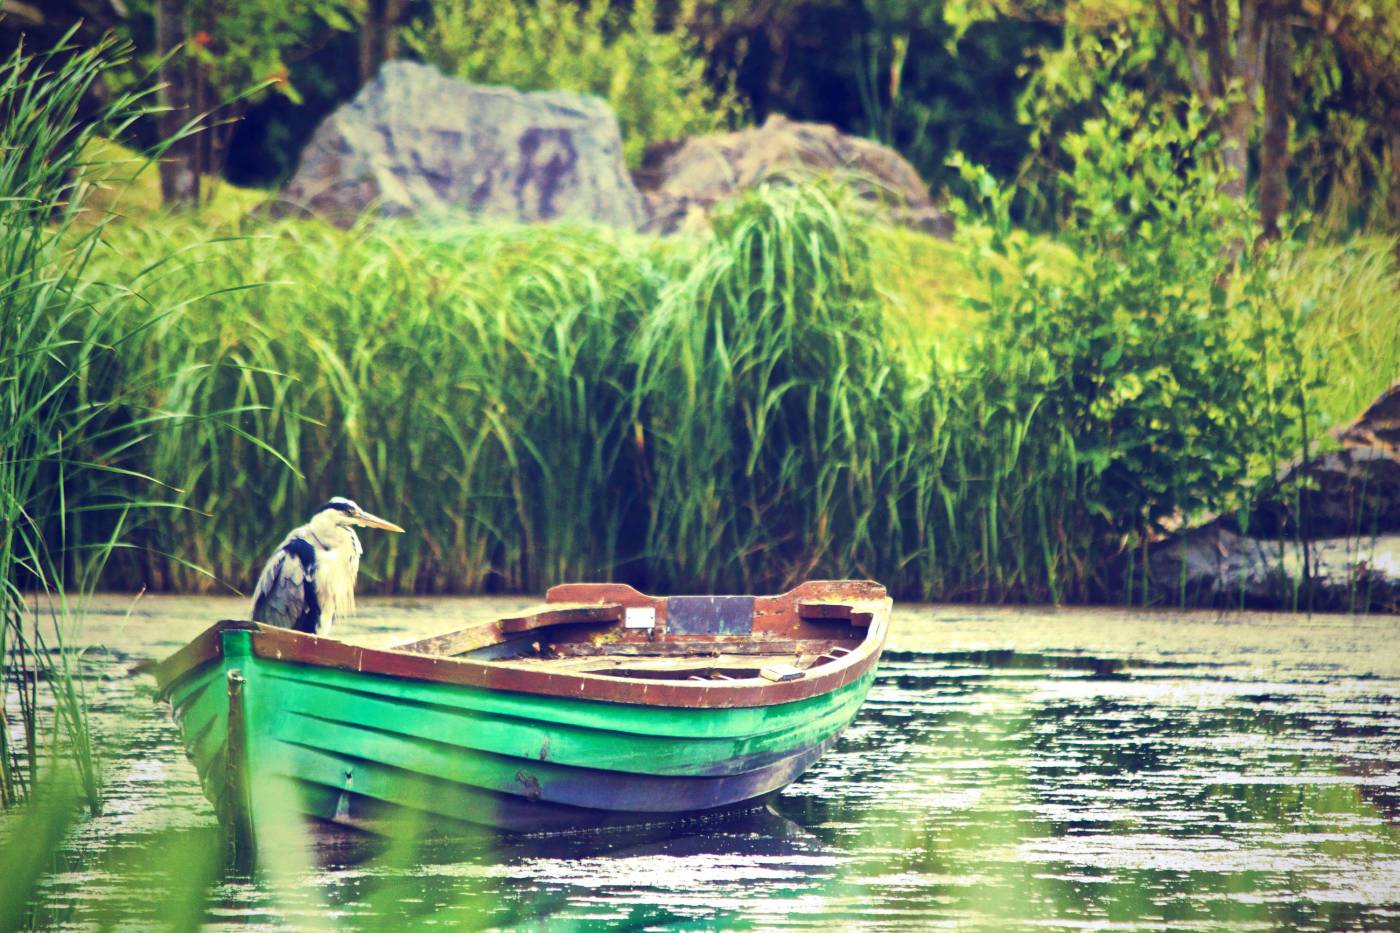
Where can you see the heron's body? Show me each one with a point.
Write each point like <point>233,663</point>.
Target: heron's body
<point>310,579</point>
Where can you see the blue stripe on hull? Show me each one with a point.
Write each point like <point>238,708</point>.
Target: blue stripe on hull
<point>352,792</point>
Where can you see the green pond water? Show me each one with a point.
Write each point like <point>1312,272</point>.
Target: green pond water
<point>1064,769</point>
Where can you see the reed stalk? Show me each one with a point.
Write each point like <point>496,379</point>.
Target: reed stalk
<point>70,422</point>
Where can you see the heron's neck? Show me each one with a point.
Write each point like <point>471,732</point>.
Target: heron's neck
<point>330,535</point>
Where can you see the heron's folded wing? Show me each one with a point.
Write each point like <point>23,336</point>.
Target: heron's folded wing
<point>285,595</point>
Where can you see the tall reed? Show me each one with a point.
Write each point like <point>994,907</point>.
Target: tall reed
<point>72,412</point>
<point>41,264</point>
<point>543,405</point>
<point>727,412</point>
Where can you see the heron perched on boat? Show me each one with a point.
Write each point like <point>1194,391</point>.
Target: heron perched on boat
<point>310,578</point>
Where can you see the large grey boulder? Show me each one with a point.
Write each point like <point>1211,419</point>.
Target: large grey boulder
<point>415,142</point>
<point>682,180</point>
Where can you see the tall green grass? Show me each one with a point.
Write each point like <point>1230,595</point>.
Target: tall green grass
<point>48,333</point>
<point>728,412</point>
<point>538,405</point>
<point>543,405</point>
<point>75,403</point>
<point>473,383</point>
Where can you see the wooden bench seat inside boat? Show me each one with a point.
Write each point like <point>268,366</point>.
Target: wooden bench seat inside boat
<point>612,630</point>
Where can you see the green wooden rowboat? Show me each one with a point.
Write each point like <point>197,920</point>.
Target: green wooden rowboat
<point>602,707</point>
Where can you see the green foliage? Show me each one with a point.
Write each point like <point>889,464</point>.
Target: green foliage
<point>1351,338</point>
<point>726,413</point>
<point>1339,171</point>
<point>1171,367</point>
<point>733,413</point>
<point>242,48</point>
<point>51,333</point>
<point>653,77</point>
<point>770,392</point>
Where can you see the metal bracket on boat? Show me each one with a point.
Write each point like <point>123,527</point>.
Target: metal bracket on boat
<point>342,803</point>
<point>834,653</point>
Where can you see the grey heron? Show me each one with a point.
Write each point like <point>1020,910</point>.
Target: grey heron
<point>310,578</point>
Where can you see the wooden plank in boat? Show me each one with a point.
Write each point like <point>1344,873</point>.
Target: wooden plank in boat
<point>560,614</point>
<point>490,633</point>
<point>779,673</point>
<point>819,610</point>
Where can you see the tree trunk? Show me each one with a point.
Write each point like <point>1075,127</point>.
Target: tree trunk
<point>1241,80</point>
<point>179,175</point>
<point>1394,198</point>
<point>1273,152</point>
<point>377,44</point>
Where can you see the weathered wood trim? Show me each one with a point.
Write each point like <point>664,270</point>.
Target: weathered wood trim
<point>494,632</point>
<point>238,816</point>
<point>859,597</point>
<point>827,610</point>
<point>560,614</point>
<point>204,647</point>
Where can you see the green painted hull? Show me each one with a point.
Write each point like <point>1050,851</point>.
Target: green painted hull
<point>272,737</point>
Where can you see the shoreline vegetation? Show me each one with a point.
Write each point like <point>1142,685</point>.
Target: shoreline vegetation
<point>797,393</point>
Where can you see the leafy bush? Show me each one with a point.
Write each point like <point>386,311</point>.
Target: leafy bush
<point>1165,357</point>
<point>653,78</point>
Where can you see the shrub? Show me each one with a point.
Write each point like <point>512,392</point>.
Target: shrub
<point>654,78</point>
<point>1165,359</point>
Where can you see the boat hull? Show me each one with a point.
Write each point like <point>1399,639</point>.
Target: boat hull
<point>277,737</point>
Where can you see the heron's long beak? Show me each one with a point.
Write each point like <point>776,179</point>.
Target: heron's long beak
<point>374,521</point>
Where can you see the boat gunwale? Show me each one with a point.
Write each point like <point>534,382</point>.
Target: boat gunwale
<point>288,646</point>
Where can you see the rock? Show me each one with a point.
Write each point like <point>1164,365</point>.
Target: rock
<point>1214,566</point>
<point>1328,539</point>
<point>414,141</point>
<point>682,179</point>
<point>1352,492</point>
<point>1378,426</point>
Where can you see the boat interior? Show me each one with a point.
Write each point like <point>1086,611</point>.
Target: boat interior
<point>614,631</point>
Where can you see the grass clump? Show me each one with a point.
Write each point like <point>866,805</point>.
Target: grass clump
<point>57,459</point>
<point>767,390</point>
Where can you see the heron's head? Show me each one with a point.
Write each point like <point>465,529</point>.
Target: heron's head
<point>341,512</point>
